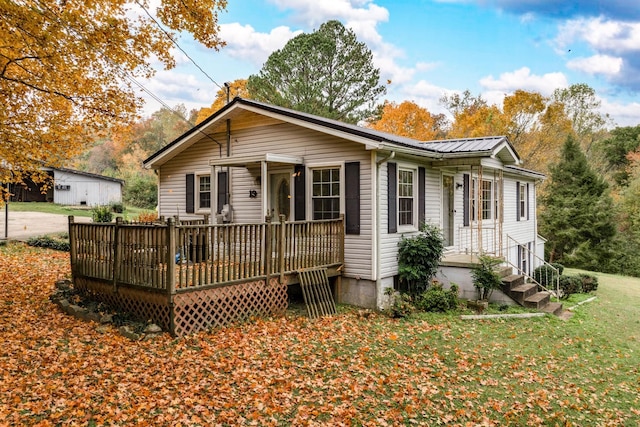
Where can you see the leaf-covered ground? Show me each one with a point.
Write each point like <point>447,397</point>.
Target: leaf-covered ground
<point>347,370</point>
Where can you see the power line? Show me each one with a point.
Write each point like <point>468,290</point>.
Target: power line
<point>176,44</point>
<point>126,74</point>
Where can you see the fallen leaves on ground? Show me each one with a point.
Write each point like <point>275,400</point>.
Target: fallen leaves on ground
<point>344,370</point>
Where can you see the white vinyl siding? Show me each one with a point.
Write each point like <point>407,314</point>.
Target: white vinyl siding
<point>268,136</point>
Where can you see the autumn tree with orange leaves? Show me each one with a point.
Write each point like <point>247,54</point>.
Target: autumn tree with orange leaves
<point>410,120</point>
<point>67,70</point>
<point>236,88</point>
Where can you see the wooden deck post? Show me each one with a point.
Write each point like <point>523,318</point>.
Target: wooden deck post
<point>171,257</point>
<point>73,247</point>
<point>267,248</point>
<point>281,246</point>
<point>116,254</point>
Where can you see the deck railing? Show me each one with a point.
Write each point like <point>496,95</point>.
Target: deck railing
<point>171,258</point>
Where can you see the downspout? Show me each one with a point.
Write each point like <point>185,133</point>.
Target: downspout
<point>378,225</point>
<point>227,195</point>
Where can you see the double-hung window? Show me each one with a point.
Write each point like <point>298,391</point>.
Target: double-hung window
<point>406,197</point>
<point>488,205</point>
<point>204,191</point>
<point>487,199</point>
<point>522,201</point>
<point>325,199</point>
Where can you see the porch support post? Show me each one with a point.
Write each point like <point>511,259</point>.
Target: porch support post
<point>264,182</point>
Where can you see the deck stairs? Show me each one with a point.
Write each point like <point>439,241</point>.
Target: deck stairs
<point>527,294</point>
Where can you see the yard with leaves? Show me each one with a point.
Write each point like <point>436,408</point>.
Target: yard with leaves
<point>352,369</point>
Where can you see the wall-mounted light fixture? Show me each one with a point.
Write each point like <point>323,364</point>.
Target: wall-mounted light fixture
<point>458,186</point>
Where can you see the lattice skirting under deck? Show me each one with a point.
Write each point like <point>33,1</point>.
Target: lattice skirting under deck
<point>142,304</point>
<point>197,310</point>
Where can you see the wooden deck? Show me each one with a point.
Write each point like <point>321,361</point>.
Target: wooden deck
<point>192,276</point>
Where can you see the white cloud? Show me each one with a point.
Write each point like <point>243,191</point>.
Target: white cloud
<point>315,12</point>
<point>523,79</point>
<point>601,34</point>
<point>426,95</point>
<point>623,114</point>
<point>175,88</point>
<point>597,64</point>
<point>245,43</point>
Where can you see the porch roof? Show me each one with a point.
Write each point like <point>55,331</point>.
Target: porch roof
<point>267,157</point>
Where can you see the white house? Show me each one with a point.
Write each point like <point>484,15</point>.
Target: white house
<point>250,160</point>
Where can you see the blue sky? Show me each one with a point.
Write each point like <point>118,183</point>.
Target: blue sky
<point>429,48</point>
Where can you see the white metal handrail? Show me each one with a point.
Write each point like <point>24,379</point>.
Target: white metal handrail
<point>549,269</point>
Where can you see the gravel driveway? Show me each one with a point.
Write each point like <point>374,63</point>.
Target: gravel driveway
<point>23,225</point>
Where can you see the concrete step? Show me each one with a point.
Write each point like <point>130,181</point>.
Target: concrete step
<point>521,292</point>
<point>504,271</point>
<point>512,281</point>
<point>554,308</point>
<point>538,300</point>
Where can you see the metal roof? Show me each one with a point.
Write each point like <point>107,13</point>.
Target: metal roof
<point>466,145</point>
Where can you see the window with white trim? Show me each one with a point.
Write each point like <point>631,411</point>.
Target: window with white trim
<point>204,192</point>
<point>487,199</point>
<point>523,201</point>
<point>325,193</point>
<point>406,197</point>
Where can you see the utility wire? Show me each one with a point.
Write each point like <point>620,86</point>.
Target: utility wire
<point>176,44</point>
<point>58,20</point>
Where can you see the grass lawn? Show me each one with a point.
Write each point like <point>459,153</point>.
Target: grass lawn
<point>53,208</point>
<point>357,368</point>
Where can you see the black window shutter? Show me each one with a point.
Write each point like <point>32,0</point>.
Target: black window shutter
<point>191,179</point>
<point>527,202</point>
<point>222,190</point>
<point>299,203</point>
<point>352,197</point>
<point>392,178</point>
<point>422,175</point>
<point>517,200</point>
<point>465,199</point>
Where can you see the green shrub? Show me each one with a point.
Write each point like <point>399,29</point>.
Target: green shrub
<point>558,266</point>
<point>418,259</point>
<point>589,282</point>
<point>401,304</point>
<point>117,207</point>
<point>436,299</point>
<point>101,214</point>
<point>570,285</point>
<point>546,275</point>
<point>49,242</point>
<point>141,191</point>
<point>485,277</point>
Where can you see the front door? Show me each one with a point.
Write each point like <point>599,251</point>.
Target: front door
<point>280,195</point>
<point>447,209</point>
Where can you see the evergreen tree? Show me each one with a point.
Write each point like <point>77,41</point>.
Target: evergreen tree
<point>328,73</point>
<point>577,216</point>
